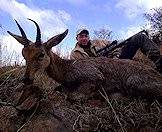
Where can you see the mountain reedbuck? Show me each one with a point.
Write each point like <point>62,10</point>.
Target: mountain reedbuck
<point>83,78</point>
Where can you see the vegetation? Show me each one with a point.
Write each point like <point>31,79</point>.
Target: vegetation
<point>103,33</point>
<point>155,19</point>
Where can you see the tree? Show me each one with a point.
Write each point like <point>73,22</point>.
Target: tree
<point>0,48</point>
<point>155,18</point>
<point>103,33</point>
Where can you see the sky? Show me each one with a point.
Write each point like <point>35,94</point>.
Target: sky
<point>123,17</point>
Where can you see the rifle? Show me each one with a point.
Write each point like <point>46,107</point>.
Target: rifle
<point>115,44</point>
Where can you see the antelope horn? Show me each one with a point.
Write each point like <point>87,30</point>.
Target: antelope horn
<point>38,37</point>
<point>21,30</point>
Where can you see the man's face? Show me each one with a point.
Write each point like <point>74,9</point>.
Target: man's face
<point>83,38</point>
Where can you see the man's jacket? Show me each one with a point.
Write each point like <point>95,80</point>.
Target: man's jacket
<point>78,52</point>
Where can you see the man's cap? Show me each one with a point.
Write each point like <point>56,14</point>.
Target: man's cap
<point>80,31</point>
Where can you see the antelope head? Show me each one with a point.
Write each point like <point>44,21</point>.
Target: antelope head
<point>36,54</point>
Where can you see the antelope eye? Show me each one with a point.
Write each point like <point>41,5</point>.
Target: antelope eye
<point>40,56</point>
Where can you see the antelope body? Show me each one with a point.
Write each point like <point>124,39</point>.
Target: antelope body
<point>83,78</point>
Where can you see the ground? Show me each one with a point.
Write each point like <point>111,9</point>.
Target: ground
<point>40,108</point>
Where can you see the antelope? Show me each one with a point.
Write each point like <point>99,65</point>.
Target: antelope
<point>83,78</point>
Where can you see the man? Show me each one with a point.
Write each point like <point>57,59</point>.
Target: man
<point>86,48</point>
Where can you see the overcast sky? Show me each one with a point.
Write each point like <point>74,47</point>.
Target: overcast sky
<point>123,17</point>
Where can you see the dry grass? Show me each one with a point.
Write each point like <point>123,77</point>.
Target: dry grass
<point>121,114</point>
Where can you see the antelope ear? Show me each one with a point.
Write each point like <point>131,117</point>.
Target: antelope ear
<point>20,39</point>
<point>55,40</point>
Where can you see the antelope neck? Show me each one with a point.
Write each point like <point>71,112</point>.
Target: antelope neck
<point>56,69</point>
